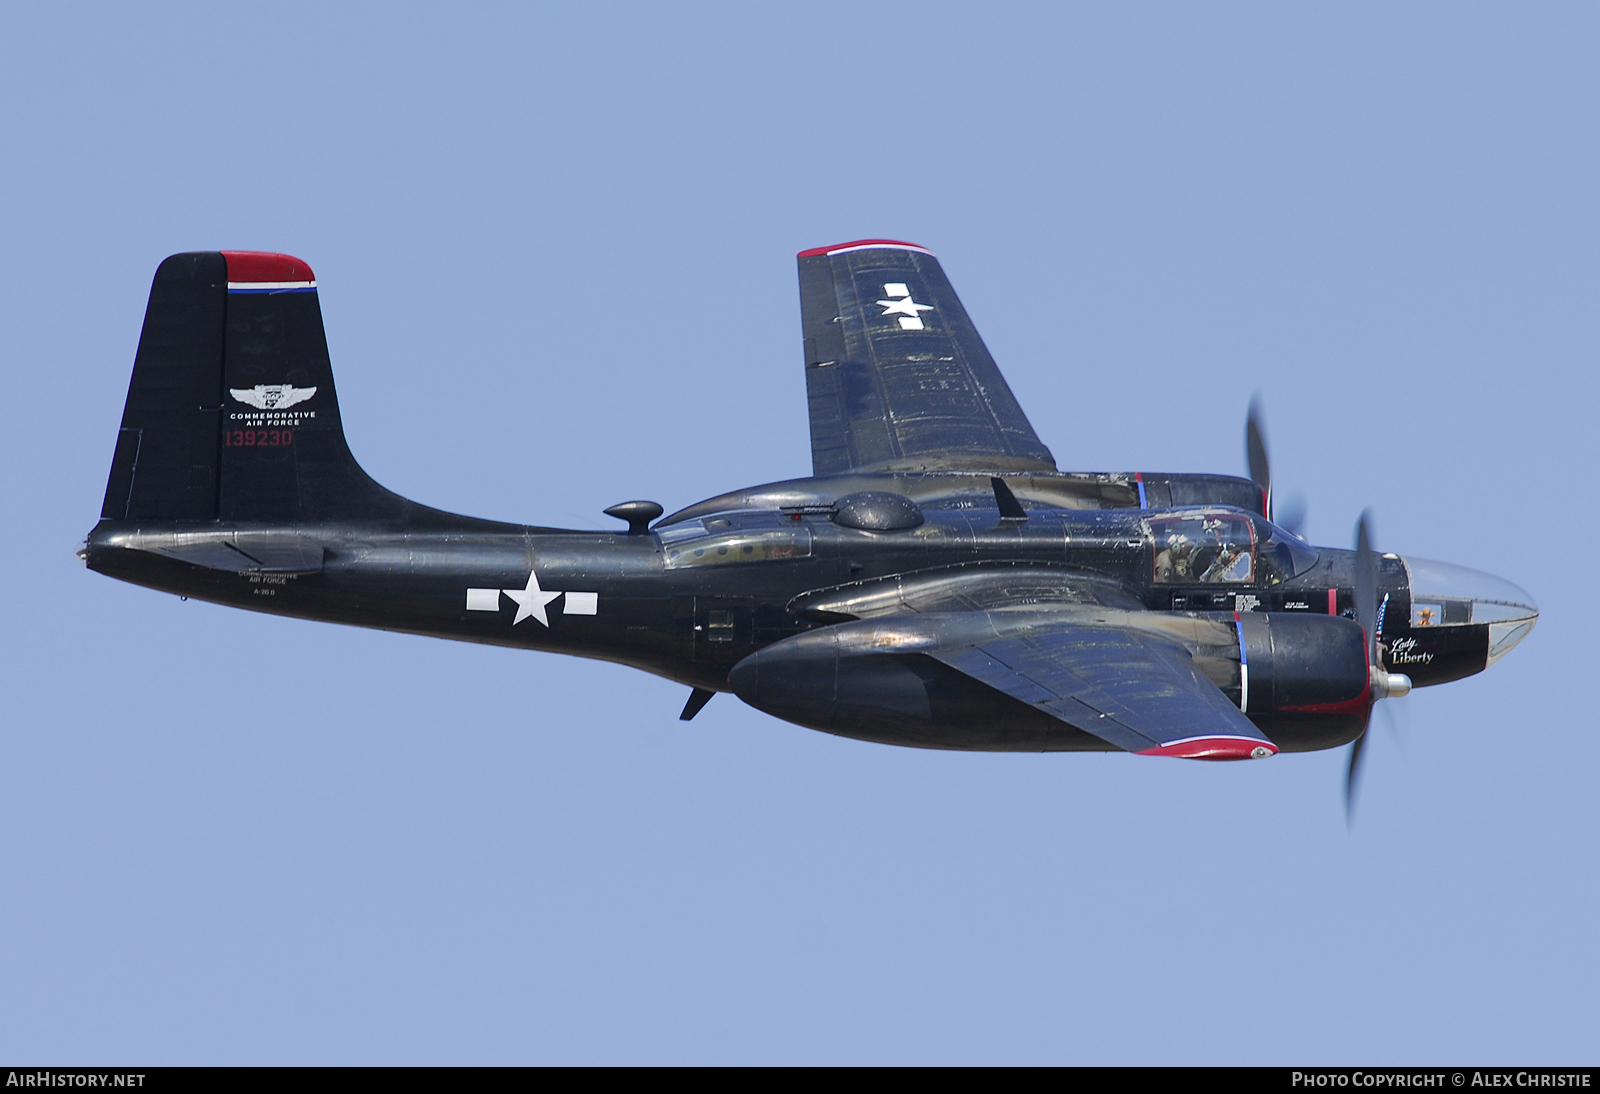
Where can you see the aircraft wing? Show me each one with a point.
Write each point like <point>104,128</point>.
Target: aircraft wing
<point>1131,690</point>
<point>896,375</point>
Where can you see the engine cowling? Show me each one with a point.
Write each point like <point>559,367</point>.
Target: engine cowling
<point>1293,663</point>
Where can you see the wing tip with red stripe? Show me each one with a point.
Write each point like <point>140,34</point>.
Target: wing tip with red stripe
<point>863,245</point>
<point>1217,747</point>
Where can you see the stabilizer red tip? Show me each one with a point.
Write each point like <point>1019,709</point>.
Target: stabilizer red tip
<point>1214,748</point>
<point>245,267</point>
<point>863,244</point>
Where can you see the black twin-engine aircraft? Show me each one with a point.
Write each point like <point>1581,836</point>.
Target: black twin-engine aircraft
<point>935,582</point>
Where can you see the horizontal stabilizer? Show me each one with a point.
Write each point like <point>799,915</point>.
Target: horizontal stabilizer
<point>239,552</point>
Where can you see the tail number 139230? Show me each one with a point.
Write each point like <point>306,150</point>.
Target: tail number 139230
<point>257,438</point>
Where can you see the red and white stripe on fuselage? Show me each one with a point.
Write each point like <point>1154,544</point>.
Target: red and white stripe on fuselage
<point>266,272</point>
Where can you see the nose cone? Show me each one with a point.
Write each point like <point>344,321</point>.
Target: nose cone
<point>1446,595</point>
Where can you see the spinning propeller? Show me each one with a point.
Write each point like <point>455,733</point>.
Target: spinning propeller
<point>1293,515</point>
<point>1383,684</point>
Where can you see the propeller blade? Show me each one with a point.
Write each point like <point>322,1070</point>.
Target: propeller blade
<point>1395,716</point>
<point>1291,516</point>
<point>1384,684</point>
<point>1352,776</point>
<point>1367,584</point>
<point>1255,449</point>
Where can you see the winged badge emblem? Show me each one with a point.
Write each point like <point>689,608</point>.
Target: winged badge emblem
<point>272,396</point>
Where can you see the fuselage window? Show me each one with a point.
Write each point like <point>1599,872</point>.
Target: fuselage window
<point>744,546</point>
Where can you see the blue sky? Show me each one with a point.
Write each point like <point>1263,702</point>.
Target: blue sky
<point>555,249</point>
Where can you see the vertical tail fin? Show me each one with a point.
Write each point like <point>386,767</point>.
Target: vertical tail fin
<point>231,411</point>
<point>165,466</point>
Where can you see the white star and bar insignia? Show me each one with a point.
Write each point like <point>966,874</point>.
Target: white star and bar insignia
<point>531,601</point>
<point>903,305</point>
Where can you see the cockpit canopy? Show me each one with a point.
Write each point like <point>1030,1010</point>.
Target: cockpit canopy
<point>721,538</point>
<point>1224,547</point>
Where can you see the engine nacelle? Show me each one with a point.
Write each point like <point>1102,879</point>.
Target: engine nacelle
<point>1293,663</point>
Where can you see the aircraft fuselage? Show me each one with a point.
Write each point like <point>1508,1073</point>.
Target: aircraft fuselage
<point>711,585</point>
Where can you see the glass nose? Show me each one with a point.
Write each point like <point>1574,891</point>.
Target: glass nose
<point>1446,595</point>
